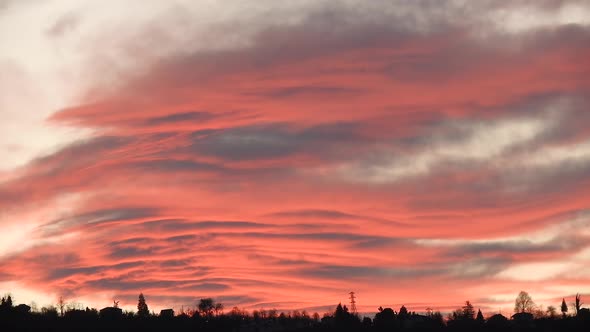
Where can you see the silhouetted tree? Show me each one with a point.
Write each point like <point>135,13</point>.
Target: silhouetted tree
<point>539,313</point>
<point>563,308</point>
<point>479,317</point>
<point>437,317</point>
<point>467,311</point>
<point>497,322</point>
<point>7,301</point>
<point>206,307</point>
<point>19,318</point>
<point>523,303</point>
<point>578,303</point>
<point>457,314</point>
<point>61,304</point>
<point>551,311</point>
<point>6,304</point>
<point>315,317</point>
<point>403,312</point>
<point>219,309</point>
<point>385,319</point>
<point>50,311</point>
<point>142,307</point>
<point>339,313</point>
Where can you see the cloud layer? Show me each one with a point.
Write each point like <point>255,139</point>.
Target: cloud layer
<point>285,156</point>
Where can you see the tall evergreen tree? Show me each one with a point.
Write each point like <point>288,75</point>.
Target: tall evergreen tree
<point>563,308</point>
<point>479,318</point>
<point>339,313</point>
<point>142,307</point>
<point>468,312</point>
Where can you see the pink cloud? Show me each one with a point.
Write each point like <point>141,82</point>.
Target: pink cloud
<point>240,173</point>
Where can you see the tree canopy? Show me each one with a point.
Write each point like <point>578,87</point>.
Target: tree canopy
<point>524,303</point>
<point>142,307</point>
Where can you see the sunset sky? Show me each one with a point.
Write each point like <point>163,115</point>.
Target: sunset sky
<point>280,154</point>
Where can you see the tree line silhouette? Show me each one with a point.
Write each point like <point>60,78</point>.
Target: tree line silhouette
<point>208,315</point>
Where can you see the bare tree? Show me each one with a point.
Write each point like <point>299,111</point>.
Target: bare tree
<point>578,303</point>
<point>61,304</point>
<point>524,303</point>
<point>551,311</point>
<point>218,308</point>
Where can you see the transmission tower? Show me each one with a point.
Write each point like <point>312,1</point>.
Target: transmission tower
<point>352,303</point>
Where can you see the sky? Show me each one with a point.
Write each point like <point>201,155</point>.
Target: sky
<point>281,154</point>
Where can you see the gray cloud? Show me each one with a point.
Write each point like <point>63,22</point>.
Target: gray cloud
<point>310,91</point>
<point>122,284</point>
<point>134,252</point>
<point>98,217</point>
<point>172,165</point>
<point>181,117</point>
<point>61,273</point>
<point>275,141</point>
<point>187,225</point>
<point>555,245</point>
<point>314,213</point>
<point>319,214</point>
<point>473,268</point>
<point>63,25</point>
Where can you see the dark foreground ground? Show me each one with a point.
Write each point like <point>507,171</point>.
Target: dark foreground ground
<point>91,320</point>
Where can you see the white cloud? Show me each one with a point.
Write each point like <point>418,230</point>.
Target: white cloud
<point>20,226</point>
<point>536,271</point>
<point>528,17</point>
<point>485,142</point>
